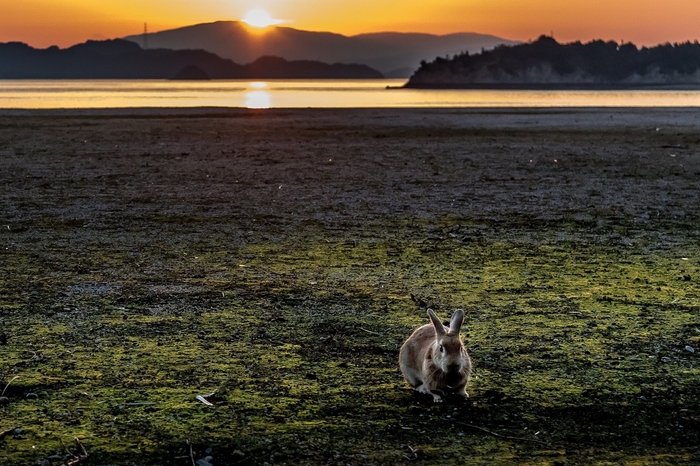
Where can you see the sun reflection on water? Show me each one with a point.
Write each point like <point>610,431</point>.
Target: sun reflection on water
<point>258,99</point>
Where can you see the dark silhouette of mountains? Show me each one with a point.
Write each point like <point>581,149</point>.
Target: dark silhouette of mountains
<point>122,59</point>
<point>547,64</point>
<point>394,54</point>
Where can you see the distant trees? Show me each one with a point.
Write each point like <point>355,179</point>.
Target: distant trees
<point>545,61</point>
<point>121,59</point>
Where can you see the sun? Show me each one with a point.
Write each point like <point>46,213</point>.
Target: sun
<point>259,18</point>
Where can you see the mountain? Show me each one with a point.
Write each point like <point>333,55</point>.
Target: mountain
<point>121,59</point>
<point>546,63</point>
<point>394,54</point>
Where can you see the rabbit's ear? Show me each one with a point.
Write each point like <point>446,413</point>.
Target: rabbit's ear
<point>439,328</point>
<point>456,321</point>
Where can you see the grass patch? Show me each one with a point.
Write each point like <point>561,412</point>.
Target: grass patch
<point>581,351</point>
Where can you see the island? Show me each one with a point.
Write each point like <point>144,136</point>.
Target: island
<point>547,64</point>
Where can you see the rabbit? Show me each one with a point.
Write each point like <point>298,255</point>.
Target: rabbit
<point>433,360</point>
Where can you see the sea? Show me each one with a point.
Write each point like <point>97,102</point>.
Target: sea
<point>385,93</point>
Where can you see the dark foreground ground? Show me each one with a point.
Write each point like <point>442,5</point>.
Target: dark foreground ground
<point>147,257</point>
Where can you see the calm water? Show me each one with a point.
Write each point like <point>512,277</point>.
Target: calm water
<point>28,94</point>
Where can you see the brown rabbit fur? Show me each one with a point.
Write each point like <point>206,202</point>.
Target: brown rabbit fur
<point>433,360</point>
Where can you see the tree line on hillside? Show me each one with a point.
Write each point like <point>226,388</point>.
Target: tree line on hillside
<point>121,59</point>
<point>547,62</point>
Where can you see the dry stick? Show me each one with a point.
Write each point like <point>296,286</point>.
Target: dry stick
<point>191,453</point>
<point>369,331</point>
<point>505,437</point>
<point>79,458</point>
<point>85,453</point>
<point>8,384</point>
<point>66,448</point>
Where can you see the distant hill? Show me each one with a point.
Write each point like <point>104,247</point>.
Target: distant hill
<point>121,59</point>
<point>394,54</point>
<point>547,64</point>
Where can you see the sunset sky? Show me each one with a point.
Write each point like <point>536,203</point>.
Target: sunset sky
<point>646,22</point>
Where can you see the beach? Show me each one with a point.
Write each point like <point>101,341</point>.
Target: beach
<point>149,256</point>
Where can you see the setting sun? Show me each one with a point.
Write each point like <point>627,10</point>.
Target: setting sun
<point>260,18</point>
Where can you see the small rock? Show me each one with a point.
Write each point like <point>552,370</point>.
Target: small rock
<point>690,348</point>
<point>4,400</point>
<point>205,461</point>
<point>238,454</point>
<point>32,396</point>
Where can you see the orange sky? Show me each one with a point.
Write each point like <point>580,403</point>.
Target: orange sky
<point>646,22</point>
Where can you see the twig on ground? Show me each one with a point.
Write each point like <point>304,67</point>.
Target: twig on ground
<point>420,302</point>
<point>191,452</point>
<point>77,458</point>
<point>413,451</point>
<point>505,437</point>
<point>8,384</point>
<point>65,447</point>
<point>369,331</point>
<point>35,357</point>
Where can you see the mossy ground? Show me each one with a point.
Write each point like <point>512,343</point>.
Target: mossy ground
<point>134,278</point>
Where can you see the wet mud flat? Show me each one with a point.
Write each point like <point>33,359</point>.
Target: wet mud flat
<point>265,260</point>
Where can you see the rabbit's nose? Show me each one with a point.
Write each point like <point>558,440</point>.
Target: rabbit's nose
<point>454,367</point>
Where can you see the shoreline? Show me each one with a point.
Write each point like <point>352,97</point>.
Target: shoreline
<point>551,86</point>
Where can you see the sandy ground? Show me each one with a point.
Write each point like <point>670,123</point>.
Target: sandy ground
<point>348,167</point>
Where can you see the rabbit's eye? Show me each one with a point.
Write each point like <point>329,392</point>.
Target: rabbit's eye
<point>442,349</point>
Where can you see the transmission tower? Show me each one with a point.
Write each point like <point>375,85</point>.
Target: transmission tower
<point>145,36</point>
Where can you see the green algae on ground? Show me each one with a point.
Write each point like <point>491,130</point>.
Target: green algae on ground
<point>582,358</point>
